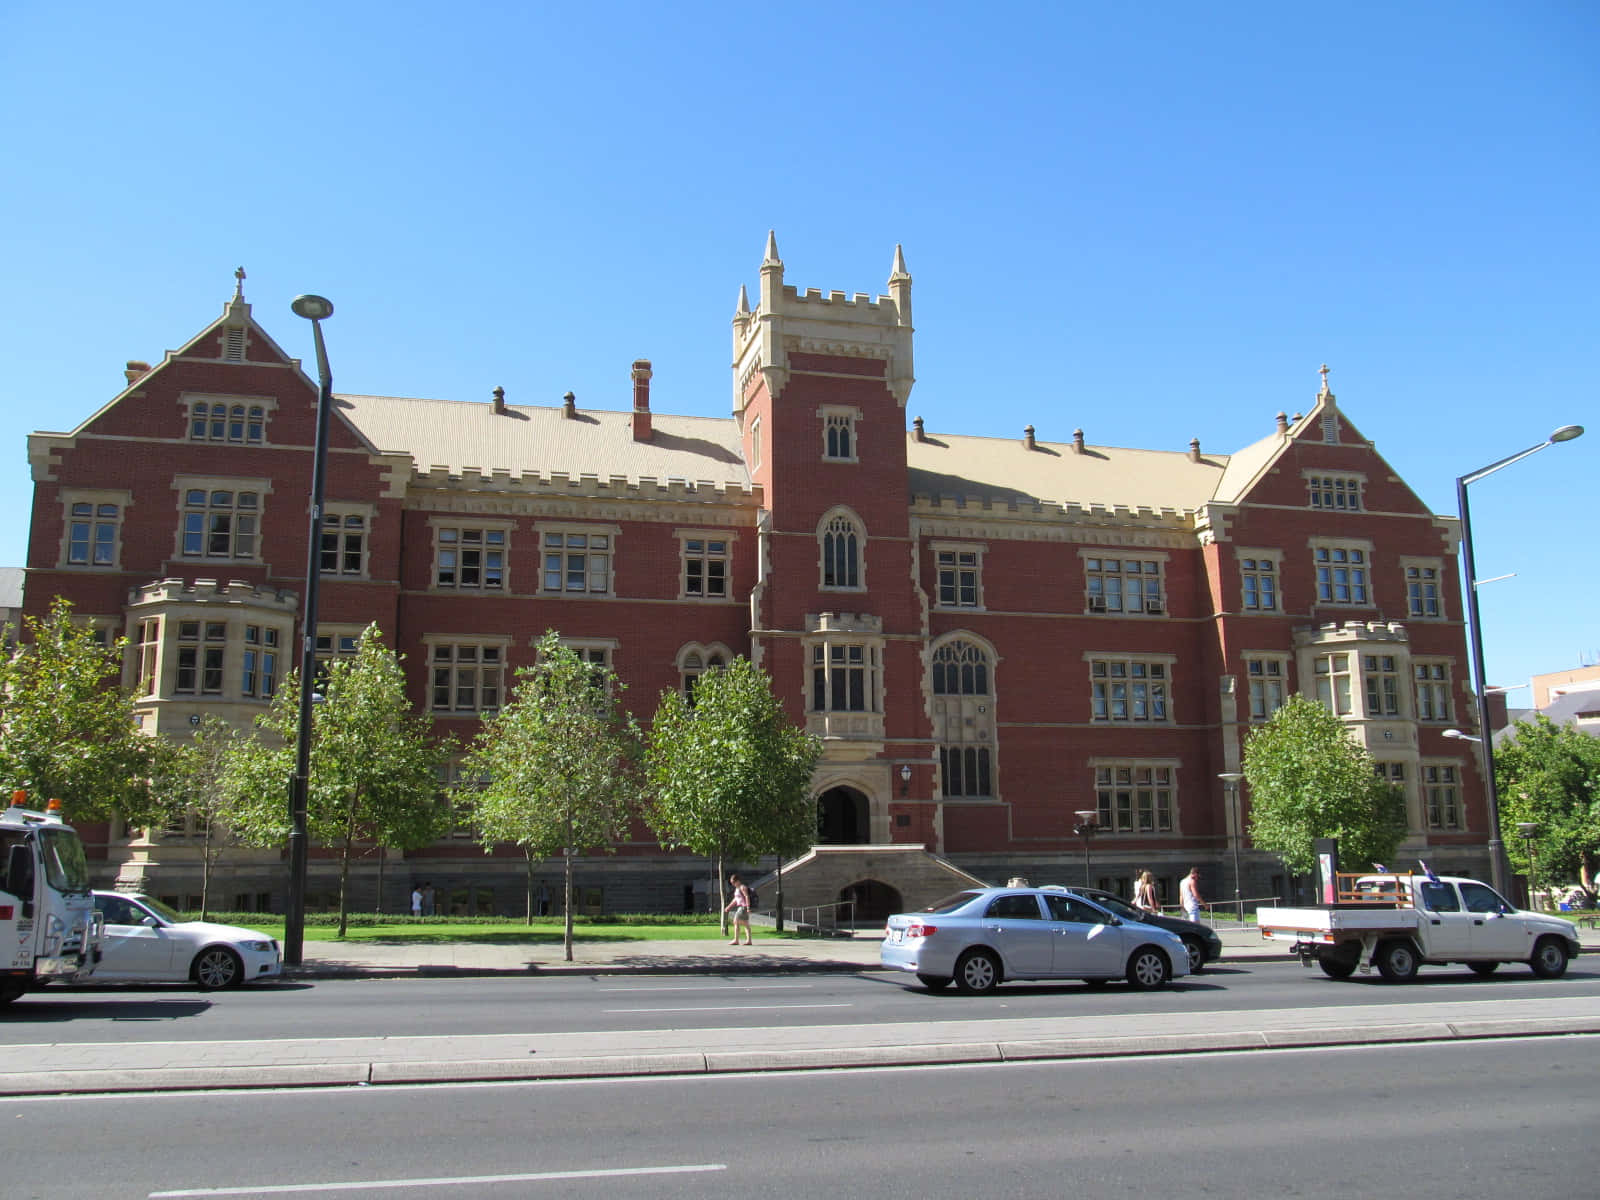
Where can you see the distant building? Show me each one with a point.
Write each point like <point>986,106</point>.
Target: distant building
<point>10,604</point>
<point>992,636</point>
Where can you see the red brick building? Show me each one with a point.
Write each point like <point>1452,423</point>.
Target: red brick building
<point>994,637</point>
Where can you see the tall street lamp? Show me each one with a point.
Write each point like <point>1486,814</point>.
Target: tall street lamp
<point>1231,781</point>
<point>1528,831</point>
<point>1497,856</point>
<point>314,309</point>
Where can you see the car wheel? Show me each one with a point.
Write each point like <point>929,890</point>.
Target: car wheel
<point>1549,959</point>
<point>1148,968</point>
<point>1397,961</point>
<point>1338,966</point>
<point>217,967</point>
<point>934,983</point>
<point>977,971</point>
<point>1197,954</point>
<point>1482,968</point>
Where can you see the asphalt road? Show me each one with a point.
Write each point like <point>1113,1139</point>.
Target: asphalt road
<point>1497,1118</point>
<point>419,1007</point>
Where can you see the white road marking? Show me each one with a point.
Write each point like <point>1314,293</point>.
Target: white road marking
<point>286,1189</point>
<point>714,987</point>
<point>725,1008</point>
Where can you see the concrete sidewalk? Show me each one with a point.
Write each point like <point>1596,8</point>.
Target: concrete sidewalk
<point>939,1037</point>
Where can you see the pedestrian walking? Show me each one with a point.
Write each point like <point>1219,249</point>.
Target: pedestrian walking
<point>1144,893</point>
<point>416,902</point>
<point>739,907</point>
<point>427,900</point>
<point>1189,894</point>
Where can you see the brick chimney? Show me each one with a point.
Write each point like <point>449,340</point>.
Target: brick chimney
<point>136,371</point>
<point>1027,437</point>
<point>499,400</point>
<point>569,407</point>
<point>916,430</point>
<point>1283,423</point>
<point>1194,449</point>
<point>641,400</point>
<point>1077,441</point>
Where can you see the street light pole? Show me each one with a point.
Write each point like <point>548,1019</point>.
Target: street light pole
<point>314,309</point>
<point>1231,780</point>
<point>1088,823</point>
<point>1497,856</point>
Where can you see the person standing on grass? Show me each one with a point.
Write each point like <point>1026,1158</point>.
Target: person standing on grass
<point>416,902</point>
<point>739,906</point>
<point>1189,894</point>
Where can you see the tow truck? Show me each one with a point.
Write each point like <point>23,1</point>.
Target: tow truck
<point>49,929</point>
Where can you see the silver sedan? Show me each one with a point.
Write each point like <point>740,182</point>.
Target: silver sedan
<point>982,937</point>
<point>146,942</point>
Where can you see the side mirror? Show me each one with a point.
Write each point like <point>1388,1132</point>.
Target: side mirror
<point>151,922</point>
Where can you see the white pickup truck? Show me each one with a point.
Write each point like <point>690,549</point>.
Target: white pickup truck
<point>1399,922</point>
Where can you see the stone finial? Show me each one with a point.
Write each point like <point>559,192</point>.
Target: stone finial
<point>744,303</point>
<point>898,270</point>
<point>1194,449</point>
<point>1323,371</point>
<point>569,406</point>
<point>916,430</point>
<point>238,284</point>
<point>1027,437</point>
<point>1077,441</point>
<point>499,394</point>
<point>771,257</point>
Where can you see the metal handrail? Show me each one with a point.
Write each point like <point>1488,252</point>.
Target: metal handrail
<point>822,918</point>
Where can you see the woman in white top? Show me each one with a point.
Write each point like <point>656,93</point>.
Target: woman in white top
<point>739,906</point>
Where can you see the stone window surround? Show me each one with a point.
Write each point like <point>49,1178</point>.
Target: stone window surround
<point>1119,555</point>
<point>501,642</point>
<point>705,654</point>
<point>1283,658</point>
<point>160,656</point>
<point>1172,765</point>
<point>439,521</point>
<point>183,484</point>
<point>851,417</point>
<point>121,497</point>
<point>1364,545</point>
<point>860,529</point>
<point>1275,557</point>
<point>611,531</point>
<point>1168,661</point>
<point>187,401</point>
<point>1445,686</point>
<point>978,549</point>
<point>1358,478</point>
<point>350,508</point>
<point>684,536</point>
<point>1422,562</point>
<point>1424,785</point>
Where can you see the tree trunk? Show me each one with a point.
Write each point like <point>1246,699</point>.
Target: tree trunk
<point>205,872</point>
<point>779,917</point>
<point>383,861</point>
<point>344,882</point>
<point>722,900</point>
<point>527,853</point>
<point>567,937</point>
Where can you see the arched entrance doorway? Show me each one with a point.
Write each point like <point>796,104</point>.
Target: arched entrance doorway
<point>842,818</point>
<point>874,901</point>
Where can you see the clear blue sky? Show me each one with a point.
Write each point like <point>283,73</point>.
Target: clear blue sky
<point>1154,221</point>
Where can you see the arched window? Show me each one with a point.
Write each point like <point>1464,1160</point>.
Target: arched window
<point>963,711</point>
<point>696,661</point>
<point>841,553</point>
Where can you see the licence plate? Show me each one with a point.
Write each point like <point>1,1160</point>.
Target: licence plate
<point>897,935</point>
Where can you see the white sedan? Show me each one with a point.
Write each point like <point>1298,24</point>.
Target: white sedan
<point>145,941</point>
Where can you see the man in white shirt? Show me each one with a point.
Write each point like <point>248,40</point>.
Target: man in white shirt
<point>1189,894</point>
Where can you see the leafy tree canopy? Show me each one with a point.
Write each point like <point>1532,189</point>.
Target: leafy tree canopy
<point>1550,774</point>
<point>67,728</point>
<point>1308,780</point>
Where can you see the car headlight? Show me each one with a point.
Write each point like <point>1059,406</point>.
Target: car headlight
<point>262,946</point>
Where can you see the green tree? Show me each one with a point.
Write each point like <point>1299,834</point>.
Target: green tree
<point>1550,774</point>
<point>555,770</point>
<point>197,778</point>
<point>729,773</point>
<point>372,781</point>
<point>1308,780</point>
<point>67,728</point>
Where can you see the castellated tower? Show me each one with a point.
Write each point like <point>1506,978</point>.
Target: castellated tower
<point>820,387</point>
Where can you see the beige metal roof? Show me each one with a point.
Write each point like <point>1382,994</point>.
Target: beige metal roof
<point>1004,470</point>
<point>538,441</point>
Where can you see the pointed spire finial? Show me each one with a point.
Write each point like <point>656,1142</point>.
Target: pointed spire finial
<point>898,271</point>
<point>744,303</point>
<point>1323,371</point>
<point>772,248</point>
<point>238,284</point>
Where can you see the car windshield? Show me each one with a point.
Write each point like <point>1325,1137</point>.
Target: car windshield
<point>170,915</point>
<point>65,867</point>
<point>950,903</point>
<point>1112,904</point>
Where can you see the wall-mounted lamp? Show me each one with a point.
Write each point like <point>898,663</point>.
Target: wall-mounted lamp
<point>905,778</point>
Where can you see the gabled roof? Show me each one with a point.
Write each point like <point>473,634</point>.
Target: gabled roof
<point>1005,470</point>
<point>524,440</point>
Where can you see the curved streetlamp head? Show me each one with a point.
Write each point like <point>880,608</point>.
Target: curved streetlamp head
<point>1231,776</point>
<point>1458,736</point>
<point>317,308</point>
<point>1566,433</point>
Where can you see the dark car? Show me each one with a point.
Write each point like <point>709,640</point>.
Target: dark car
<point>1201,941</point>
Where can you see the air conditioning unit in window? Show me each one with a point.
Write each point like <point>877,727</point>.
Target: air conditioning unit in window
<point>1097,604</point>
<point>1153,605</point>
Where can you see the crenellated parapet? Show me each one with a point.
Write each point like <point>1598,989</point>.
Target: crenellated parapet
<point>236,592</point>
<point>1335,632</point>
<point>645,487</point>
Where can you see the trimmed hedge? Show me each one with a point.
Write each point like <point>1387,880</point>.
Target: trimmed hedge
<point>373,920</point>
